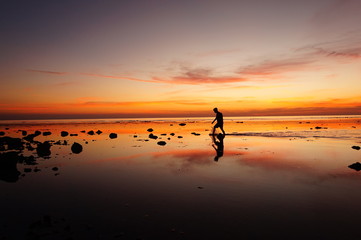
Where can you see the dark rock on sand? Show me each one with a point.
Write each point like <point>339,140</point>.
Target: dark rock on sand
<point>46,133</point>
<point>64,133</point>
<point>172,134</point>
<point>356,147</point>
<point>152,136</point>
<point>2,133</point>
<point>135,136</point>
<point>27,170</point>
<point>98,132</point>
<point>182,124</point>
<point>8,169</point>
<point>37,133</point>
<point>76,148</point>
<point>162,143</point>
<point>73,134</point>
<point>355,166</point>
<point>150,130</point>
<point>91,132</point>
<point>113,135</point>
<point>195,134</point>
<point>83,131</point>
<point>180,137</point>
<point>318,127</point>
<point>55,169</point>
<point>163,134</point>
<point>24,133</point>
<point>12,143</point>
<point>43,149</point>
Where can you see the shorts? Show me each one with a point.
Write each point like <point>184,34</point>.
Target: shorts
<point>218,125</point>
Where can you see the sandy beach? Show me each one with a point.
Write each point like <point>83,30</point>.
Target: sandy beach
<point>290,178</point>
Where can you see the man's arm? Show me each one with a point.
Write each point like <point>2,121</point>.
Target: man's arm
<point>214,120</point>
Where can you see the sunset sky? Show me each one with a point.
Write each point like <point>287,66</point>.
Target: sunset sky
<point>99,59</point>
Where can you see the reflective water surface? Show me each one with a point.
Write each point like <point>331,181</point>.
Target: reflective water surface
<point>266,178</point>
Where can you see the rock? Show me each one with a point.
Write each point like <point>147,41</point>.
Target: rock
<point>180,137</point>
<point>172,134</point>
<point>182,124</point>
<point>355,166</point>
<point>135,136</point>
<point>8,169</point>
<point>162,143</point>
<point>27,169</point>
<point>46,133</point>
<point>356,147</point>
<point>98,132</point>
<point>64,133</point>
<point>24,133</point>
<point>83,131</point>
<point>37,133</point>
<point>43,149</point>
<point>150,130</point>
<point>2,133</point>
<point>163,134</point>
<point>318,127</point>
<point>55,169</point>
<point>12,143</point>
<point>113,135</point>
<point>91,132</point>
<point>195,134</point>
<point>76,148</point>
<point>152,136</point>
<point>29,138</point>
<point>73,134</point>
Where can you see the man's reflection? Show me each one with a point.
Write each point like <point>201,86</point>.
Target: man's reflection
<point>218,145</point>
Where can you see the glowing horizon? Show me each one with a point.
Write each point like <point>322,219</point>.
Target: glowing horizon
<point>271,58</point>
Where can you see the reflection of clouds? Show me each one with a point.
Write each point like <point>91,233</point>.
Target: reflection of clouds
<point>186,160</point>
<point>302,170</point>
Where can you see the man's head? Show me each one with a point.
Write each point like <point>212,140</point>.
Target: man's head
<point>215,110</point>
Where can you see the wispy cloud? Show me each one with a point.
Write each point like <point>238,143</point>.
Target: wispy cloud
<point>139,103</point>
<point>216,53</point>
<point>198,76</point>
<point>276,67</point>
<point>46,72</point>
<point>118,77</point>
<point>337,51</point>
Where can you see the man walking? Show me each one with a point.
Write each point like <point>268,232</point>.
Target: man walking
<point>219,119</point>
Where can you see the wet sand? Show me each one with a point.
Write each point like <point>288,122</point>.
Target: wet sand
<point>285,178</point>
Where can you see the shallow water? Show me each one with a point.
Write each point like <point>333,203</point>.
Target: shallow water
<point>274,178</point>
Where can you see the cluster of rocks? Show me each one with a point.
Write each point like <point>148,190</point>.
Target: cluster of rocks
<point>11,153</point>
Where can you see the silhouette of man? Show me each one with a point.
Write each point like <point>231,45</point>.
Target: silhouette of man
<point>218,145</point>
<point>219,119</point>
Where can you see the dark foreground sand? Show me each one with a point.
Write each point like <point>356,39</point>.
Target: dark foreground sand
<point>166,180</point>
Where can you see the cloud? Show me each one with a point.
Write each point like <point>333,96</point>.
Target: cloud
<point>216,53</point>
<point>118,77</point>
<point>276,67</point>
<point>338,52</point>
<point>46,72</point>
<point>140,103</point>
<point>198,76</point>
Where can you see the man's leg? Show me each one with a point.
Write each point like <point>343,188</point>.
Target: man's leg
<point>214,129</point>
<point>222,130</point>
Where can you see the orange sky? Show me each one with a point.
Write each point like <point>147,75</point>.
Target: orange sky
<point>248,58</point>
